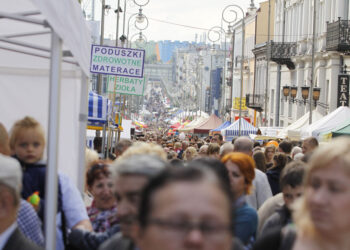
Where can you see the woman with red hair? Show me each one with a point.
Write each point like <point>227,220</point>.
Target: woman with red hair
<point>241,172</point>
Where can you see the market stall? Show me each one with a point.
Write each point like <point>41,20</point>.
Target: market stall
<point>327,123</point>
<point>233,130</point>
<point>292,132</point>
<point>221,127</point>
<point>212,122</point>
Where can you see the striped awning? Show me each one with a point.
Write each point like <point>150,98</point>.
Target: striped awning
<point>98,108</point>
<point>233,129</point>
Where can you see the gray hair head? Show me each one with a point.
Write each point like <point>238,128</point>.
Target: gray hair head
<point>226,148</point>
<point>243,144</point>
<point>140,164</point>
<point>11,175</point>
<point>296,150</point>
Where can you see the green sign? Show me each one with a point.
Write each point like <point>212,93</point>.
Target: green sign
<point>126,85</point>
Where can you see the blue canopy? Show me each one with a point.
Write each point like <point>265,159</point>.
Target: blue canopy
<point>98,109</point>
<point>221,127</point>
<point>233,129</point>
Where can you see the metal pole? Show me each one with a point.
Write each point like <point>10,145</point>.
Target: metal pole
<point>242,65</point>
<point>93,10</point>
<point>210,109</point>
<point>123,43</point>
<point>223,95</point>
<point>267,62</point>
<point>278,87</point>
<point>84,93</point>
<point>232,61</point>
<point>313,61</point>
<point>103,151</point>
<point>99,86</point>
<point>53,142</point>
<point>117,31</point>
<point>201,94</point>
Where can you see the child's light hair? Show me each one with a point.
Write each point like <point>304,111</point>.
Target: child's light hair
<point>26,123</point>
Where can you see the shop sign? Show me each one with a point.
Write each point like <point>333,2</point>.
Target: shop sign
<point>343,90</point>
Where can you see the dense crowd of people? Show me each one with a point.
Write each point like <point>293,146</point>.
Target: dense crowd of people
<point>180,192</point>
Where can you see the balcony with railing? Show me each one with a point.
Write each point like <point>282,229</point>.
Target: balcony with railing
<point>255,101</point>
<point>282,52</point>
<point>338,36</point>
<point>279,52</point>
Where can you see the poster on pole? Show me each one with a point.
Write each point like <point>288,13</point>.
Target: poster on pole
<point>117,61</point>
<point>236,103</point>
<point>126,85</point>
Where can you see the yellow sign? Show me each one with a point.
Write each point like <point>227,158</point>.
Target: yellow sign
<point>236,103</point>
<point>118,118</point>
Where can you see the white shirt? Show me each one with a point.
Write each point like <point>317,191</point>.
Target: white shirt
<point>261,190</point>
<point>4,237</point>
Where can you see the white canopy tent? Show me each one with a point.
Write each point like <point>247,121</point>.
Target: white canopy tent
<point>189,127</point>
<point>328,122</point>
<point>293,130</point>
<point>44,64</point>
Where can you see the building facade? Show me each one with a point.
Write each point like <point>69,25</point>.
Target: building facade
<point>289,55</point>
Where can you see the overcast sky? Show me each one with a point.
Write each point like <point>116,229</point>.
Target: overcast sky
<point>199,14</point>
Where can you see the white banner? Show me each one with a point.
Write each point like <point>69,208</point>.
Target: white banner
<point>126,85</point>
<point>117,61</point>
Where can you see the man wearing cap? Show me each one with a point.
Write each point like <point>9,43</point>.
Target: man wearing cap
<point>10,187</point>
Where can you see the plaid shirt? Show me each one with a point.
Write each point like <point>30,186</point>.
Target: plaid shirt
<point>102,220</point>
<point>29,223</point>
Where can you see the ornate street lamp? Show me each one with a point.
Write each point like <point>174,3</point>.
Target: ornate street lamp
<point>305,90</point>
<point>140,41</point>
<point>228,11</point>
<point>140,19</point>
<point>286,90</point>
<point>305,93</point>
<point>316,94</point>
<point>293,92</point>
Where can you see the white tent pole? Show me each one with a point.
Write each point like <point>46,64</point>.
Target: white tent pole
<point>82,130</point>
<point>28,34</point>
<point>51,171</point>
<point>22,18</point>
<point>33,53</point>
<point>28,45</point>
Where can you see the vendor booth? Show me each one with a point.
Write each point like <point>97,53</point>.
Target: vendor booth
<point>293,130</point>
<point>342,130</point>
<point>212,122</point>
<point>327,123</point>
<point>233,130</point>
<point>44,68</point>
<point>190,126</point>
<point>99,109</point>
<point>221,127</point>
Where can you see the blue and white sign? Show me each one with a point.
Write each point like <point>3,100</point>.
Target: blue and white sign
<point>117,61</point>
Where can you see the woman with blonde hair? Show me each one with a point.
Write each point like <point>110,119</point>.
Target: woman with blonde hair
<point>241,173</point>
<point>269,152</point>
<point>190,153</point>
<point>322,218</point>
